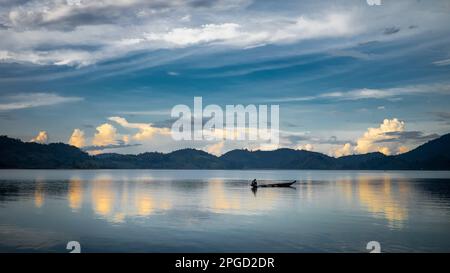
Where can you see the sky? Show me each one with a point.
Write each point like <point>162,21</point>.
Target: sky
<point>349,77</point>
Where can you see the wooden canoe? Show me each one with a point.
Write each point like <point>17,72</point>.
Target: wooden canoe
<point>276,185</point>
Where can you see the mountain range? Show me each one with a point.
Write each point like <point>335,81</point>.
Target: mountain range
<point>15,154</point>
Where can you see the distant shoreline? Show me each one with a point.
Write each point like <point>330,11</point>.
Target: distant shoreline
<point>339,170</point>
<point>433,156</point>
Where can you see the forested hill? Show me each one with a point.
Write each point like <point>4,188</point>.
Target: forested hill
<point>15,154</point>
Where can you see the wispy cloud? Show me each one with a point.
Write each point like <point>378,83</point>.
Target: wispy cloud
<point>108,42</point>
<point>146,113</point>
<point>351,53</point>
<point>413,136</point>
<point>442,62</point>
<point>331,25</point>
<point>145,130</point>
<point>109,146</point>
<point>368,93</point>
<point>81,33</point>
<point>30,100</point>
<point>442,117</point>
<point>391,30</point>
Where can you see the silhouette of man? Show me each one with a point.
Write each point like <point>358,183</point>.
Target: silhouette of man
<point>254,183</point>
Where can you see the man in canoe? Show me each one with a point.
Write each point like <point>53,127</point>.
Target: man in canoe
<point>254,184</point>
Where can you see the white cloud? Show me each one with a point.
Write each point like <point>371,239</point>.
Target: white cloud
<point>40,12</point>
<point>330,25</point>
<point>370,141</point>
<point>85,32</point>
<point>203,34</point>
<point>442,62</point>
<point>126,139</point>
<point>216,148</point>
<point>145,130</point>
<point>186,18</point>
<point>402,149</point>
<point>346,149</point>
<point>77,138</point>
<point>305,147</point>
<point>302,28</point>
<point>389,138</point>
<point>22,101</point>
<point>146,113</point>
<point>368,93</point>
<point>106,134</point>
<point>42,137</point>
<point>24,44</point>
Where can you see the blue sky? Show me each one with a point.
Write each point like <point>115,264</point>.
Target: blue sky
<point>336,68</point>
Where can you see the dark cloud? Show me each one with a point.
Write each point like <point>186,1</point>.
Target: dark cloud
<point>443,117</point>
<point>391,30</point>
<point>167,123</point>
<point>369,43</point>
<point>12,3</point>
<point>333,140</point>
<point>6,116</point>
<point>49,47</point>
<point>88,16</point>
<point>110,146</point>
<point>296,138</point>
<point>350,53</point>
<point>412,136</point>
<point>33,14</point>
<point>202,3</point>
<point>292,125</point>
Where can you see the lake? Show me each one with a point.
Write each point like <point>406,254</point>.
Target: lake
<point>216,211</point>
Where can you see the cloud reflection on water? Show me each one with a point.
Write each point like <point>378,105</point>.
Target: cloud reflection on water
<point>39,194</point>
<point>75,194</point>
<point>116,201</point>
<point>334,211</point>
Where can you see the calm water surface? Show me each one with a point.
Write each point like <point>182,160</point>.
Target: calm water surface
<point>215,211</point>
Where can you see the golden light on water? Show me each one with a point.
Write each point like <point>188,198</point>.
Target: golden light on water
<point>39,194</point>
<point>166,204</point>
<point>102,196</point>
<point>347,188</point>
<point>129,200</point>
<point>219,200</point>
<point>75,194</point>
<point>144,204</point>
<point>380,200</point>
